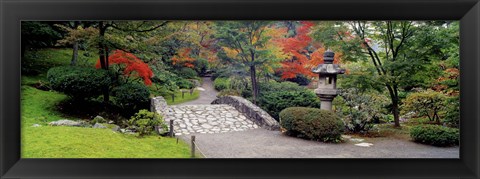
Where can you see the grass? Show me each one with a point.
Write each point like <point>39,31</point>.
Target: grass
<point>76,142</point>
<point>40,107</point>
<point>178,97</point>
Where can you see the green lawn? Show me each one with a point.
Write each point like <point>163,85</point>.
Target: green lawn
<point>77,142</point>
<point>178,97</point>
<point>39,107</point>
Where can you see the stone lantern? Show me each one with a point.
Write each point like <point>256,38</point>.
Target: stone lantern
<point>327,81</point>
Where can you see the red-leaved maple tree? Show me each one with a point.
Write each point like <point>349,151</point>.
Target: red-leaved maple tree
<point>300,62</point>
<point>132,64</point>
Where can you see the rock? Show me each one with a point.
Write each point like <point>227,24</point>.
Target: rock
<point>66,122</point>
<point>364,144</point>
<point>36,125</point>
<point>128,131</point>
<point>116,128</point>
<point>356,140</point>
<point>99,119</point>
<point>98,125</point>
<point>206,126</point>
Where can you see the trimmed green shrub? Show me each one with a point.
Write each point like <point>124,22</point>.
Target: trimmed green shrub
<point>187,73</point>
<point>131,96</point>
<point>184,84</point>
<point>221,83</point>
<point>312,123</point>
<point>78,82</point>
<point>283,86</point>
<point>145,122</point>
<point>275,101</point>
<point>435,135</point>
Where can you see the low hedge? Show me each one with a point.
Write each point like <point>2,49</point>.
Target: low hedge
<point>78,82</point>
<point>131,96</point>
<point>435,135</point>
<point>312,123</point>
<point>275,101</point>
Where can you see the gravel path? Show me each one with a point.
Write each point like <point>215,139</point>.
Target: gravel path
<point>261,143</point>
<point>207,93</point>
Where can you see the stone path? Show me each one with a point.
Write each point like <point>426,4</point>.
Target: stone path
<point>199,116</point>
<point>207,93</point>
<point>207,119</point>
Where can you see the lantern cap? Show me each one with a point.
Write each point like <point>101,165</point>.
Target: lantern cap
<point>328,56</point>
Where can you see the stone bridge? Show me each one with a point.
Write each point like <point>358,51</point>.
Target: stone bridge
<point>225,114</point>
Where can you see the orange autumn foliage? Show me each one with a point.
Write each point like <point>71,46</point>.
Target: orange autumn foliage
<point>132,64</point>
<point>183,58</point>
<point>300,62</point>
<point>449,74</point>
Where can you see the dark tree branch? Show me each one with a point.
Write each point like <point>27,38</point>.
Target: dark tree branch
<point>115,26</point>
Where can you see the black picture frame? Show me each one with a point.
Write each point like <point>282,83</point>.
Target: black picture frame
<point>13,11</point>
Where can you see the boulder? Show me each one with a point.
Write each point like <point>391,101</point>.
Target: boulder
<point>116,128</point>
<point>98,125</point>
<point>99,119</point>
<point>66,122</point>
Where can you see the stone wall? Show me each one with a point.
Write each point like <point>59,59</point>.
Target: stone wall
<point>250,110</point>
<point>159,105</point>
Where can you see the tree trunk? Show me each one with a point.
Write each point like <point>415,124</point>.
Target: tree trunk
<point>254,83</point>
<point>395,111</point>
<point>436,117</point>
<point>75,54</point>
<point>396,116</point>
<point>103,60</point>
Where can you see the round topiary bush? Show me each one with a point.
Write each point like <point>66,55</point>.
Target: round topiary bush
<point>312,123</point>
<point>435,135</point>
<point>78,82</point>
<point>131,96</point>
